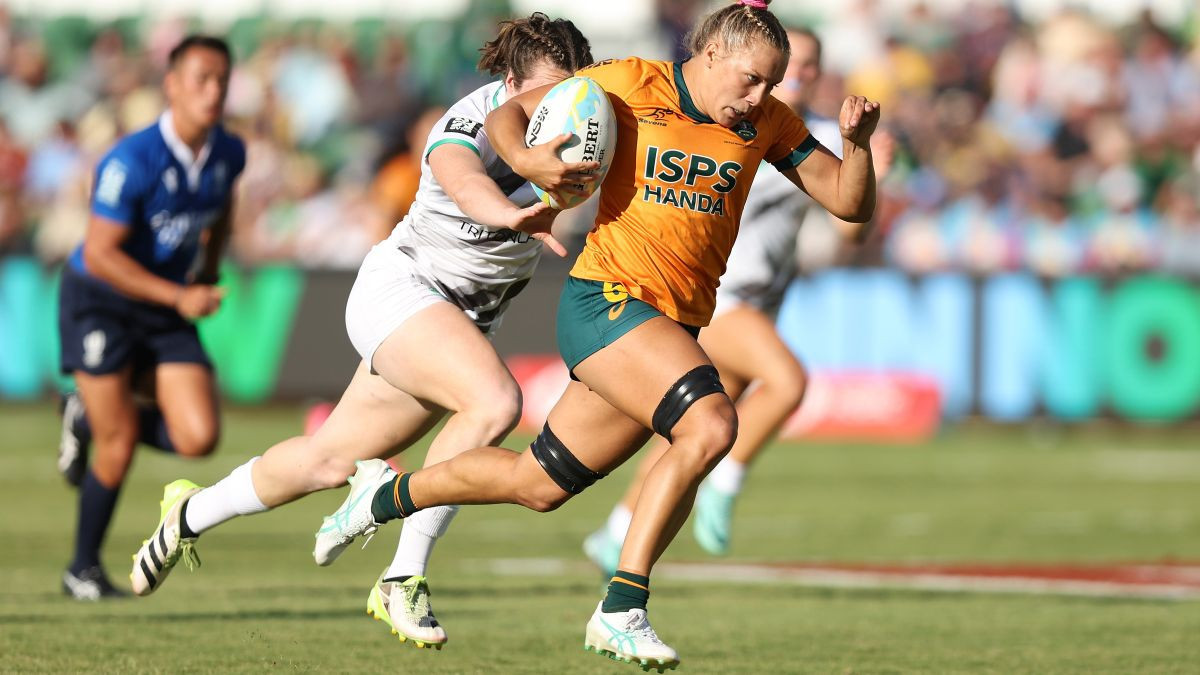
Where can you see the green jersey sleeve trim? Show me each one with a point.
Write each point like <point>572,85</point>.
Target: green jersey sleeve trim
<point>798,155</point>
<point>454,141</point>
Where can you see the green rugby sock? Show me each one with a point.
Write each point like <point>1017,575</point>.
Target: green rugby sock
<point>626,591</point>
<point>392,501</point>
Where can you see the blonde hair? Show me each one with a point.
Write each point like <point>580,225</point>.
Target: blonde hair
<point>736,26</point>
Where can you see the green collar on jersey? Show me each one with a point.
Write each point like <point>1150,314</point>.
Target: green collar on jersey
<point>685,98</point>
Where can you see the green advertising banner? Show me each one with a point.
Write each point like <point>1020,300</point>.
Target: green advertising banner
<point>1152,349</point>
<point>246,339</point>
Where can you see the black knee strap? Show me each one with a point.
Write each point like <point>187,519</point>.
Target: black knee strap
<point>695,385</point>
<point>563,468</point>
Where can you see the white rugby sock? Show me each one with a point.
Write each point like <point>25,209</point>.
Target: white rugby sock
<point>421,531</point>
<point>727,475</point>
<point>227,499</point>
<point>618,522</point>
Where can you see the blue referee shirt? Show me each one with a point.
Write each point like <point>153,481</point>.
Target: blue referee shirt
<point>151,183</point>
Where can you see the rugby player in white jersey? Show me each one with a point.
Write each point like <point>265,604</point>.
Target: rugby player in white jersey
<point>741,340</point>
<point>420,314</point>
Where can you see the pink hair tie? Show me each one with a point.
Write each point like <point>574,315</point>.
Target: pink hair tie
<point>754,4</point>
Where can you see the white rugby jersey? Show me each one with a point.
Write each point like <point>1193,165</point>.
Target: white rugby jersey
<point>763,260</point>
<point>477,268</point>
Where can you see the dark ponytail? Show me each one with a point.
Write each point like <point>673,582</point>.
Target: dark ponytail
<point>524,43</point>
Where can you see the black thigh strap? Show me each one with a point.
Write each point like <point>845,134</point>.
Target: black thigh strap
<point>695,385</point>
<point>563,468</point>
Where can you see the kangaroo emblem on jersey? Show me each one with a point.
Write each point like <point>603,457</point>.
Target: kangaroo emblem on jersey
<point>657,117</point>
<point>745,130</point>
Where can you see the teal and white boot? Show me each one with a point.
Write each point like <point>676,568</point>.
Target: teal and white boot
<point>713,519</point>
<point>353,518</point>
<point>603,551</point>
<point>627,636</point>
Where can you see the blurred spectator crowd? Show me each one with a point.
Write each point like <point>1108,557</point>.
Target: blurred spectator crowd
<point>1061,146</point>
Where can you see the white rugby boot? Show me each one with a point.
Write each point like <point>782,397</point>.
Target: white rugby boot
<point>158,554</point>
<point>628,636</point>
<point>353,518</point>
<point>404,607</point>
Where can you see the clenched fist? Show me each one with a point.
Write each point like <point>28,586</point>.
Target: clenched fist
<point>858,119</point>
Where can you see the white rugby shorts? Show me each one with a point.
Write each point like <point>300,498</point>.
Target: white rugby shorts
<point>386,293</point>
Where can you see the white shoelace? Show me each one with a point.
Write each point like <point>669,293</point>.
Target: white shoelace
<point>639,626</point>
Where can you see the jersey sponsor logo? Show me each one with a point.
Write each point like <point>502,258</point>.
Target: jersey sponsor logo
<point>672,166</point>
<point>745,130</point>
<point>615,293</point>
<point>112,180</point>
<point>172,230</point>
<point>675,166</point>
<point>502,235</point>
<point>93,348</point>
<point>684,199</point>
<point>464,126</point>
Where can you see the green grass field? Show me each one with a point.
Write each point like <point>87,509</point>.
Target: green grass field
<point>1101,494</point>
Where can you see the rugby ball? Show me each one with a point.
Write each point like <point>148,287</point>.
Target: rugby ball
<point>576,106</point>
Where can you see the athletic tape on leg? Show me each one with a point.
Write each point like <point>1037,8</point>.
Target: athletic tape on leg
<point>695,385</point>
<point>563,468</point>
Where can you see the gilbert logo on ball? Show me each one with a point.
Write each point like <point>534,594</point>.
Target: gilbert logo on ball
<point>576,106</point>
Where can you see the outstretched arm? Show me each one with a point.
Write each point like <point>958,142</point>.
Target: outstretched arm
<point>846,188</point>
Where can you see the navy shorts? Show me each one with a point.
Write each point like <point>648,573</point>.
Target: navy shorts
<point>103,331</point>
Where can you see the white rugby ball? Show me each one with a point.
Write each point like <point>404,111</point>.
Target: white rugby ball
<point>576,106</point>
